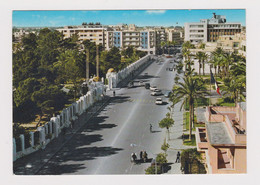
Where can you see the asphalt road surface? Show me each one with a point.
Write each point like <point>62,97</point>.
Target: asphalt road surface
<point>103,144</point>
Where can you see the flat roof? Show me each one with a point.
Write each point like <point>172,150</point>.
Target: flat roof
<point>218,133</point>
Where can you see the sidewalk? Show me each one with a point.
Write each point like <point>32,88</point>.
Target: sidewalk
<point>175,141</point>
<point>33,163</point>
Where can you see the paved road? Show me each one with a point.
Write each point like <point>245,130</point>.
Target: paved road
<point>103,145</point>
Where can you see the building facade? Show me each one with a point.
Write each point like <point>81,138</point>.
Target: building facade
<point>223,140</point>
<point>85,32</point>
<point>209,30</point>
<point>141,40</point>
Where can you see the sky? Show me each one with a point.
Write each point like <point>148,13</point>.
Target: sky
<point>113,17</point>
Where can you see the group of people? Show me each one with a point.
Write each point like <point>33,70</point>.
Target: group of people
<point>143,156</point>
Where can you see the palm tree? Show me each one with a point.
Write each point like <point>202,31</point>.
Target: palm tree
<point>234,88</point>
<point>218,58</point>
<point>199,56</point>
<point>188,90</point>
<point>204,58</point>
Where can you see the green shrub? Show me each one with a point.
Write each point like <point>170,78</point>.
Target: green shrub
<point>151,170</point>
<point>191,162</point>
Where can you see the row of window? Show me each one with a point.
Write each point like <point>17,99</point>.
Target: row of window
<point>196,31</point>
<point>196,26</point>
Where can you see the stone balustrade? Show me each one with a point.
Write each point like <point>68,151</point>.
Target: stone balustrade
<point>53,128</point>
<point>114,79</point>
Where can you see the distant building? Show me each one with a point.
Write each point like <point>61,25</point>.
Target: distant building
<point>94,33</point>
<point>209,30</point>
<point>141,40</point>
<point>223,140</point>
<point>175,35</point>
<point>233,43</point>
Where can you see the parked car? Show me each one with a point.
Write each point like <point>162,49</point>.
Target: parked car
<point>156,92</point>
<point>152,88</point>
<point>141,83</point>
<point>131,84</point>
<point>167,94</point>
<point>147,85</point>
<point>158,101</point>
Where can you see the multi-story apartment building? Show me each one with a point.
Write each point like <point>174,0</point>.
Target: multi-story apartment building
<point>209,30</point>
<point>141,40</point>
<point>94,33</point>
<point>175,35</point>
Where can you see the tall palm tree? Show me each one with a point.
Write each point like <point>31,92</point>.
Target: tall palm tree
<point>204,59</point>
<point>199,56</point>
<point>218,58</point>
<point>189,90</point>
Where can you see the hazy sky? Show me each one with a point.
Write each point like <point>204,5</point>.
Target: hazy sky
<point>108,17</point>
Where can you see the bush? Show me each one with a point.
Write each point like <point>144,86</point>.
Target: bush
<point>191,162</point>
<point>151,170</point>
<point>161,158</point>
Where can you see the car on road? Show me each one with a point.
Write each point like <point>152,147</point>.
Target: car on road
<point>156,92</point>
<point>141,83</point>
<point>147,85</point>
<point>131,84</point>
<point>152,88</point>
<point>170,69</point>
<point>167,94</point>
<point>158,101</point>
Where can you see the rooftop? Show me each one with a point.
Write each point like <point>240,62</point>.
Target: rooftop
<point>218,133</point>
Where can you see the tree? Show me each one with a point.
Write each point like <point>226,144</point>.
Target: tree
<point>110,59</point>
<point>49,98</point>
<point>69,69</point>
<point>199,56</point>
<point>191,162</point>
<point>204,58</point>
<point>165,146</point>
<point>166,123</point>
<point>188,90</point>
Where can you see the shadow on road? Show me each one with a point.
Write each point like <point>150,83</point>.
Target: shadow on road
<point>147,77</point>
<point>62,162</point>
<point>119,99</point>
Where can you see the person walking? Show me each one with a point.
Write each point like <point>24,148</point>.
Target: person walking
<point>178,157</point>
<point>141,156</point>
<point>114,93</point>
<point>145,156</point>
<point>151,128</point>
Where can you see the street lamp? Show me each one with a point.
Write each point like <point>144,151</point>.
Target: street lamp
<point>135,145</point>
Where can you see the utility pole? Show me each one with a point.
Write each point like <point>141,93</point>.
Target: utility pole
<point>97,61</point>
<point>87,65</point>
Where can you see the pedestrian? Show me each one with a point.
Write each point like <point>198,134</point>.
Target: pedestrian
<point>145,156</point>
<point>178,157</point>
<point>114,93</point>
<point>141,156</point>
<point>151,128</point>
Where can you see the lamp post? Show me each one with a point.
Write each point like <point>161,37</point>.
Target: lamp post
<point>135,145</point>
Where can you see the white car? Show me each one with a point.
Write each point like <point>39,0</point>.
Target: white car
<point>158,101</point>
<point>152,88</point>
<point>156,92</point>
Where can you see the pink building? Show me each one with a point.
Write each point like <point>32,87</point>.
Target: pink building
<point>224,139</point>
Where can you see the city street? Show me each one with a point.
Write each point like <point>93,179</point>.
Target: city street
<point>103,145</point>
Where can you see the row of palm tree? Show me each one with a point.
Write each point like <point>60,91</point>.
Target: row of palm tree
<point>232,67</point>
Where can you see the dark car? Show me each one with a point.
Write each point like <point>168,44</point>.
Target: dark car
<point>147,85</point>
